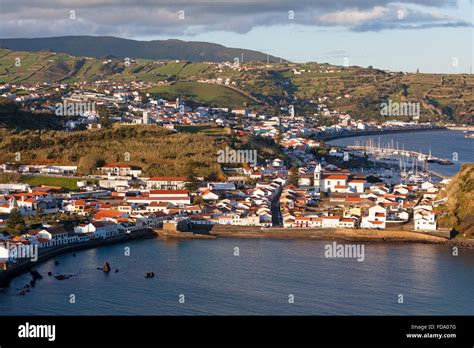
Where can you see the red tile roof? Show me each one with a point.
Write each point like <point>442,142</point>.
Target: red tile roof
<point>336,177</point>
<point>167,178</point>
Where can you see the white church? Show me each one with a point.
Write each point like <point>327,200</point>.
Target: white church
<point>336,182</point>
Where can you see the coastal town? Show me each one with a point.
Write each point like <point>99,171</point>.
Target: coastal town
<point>318,189</point>
<point>185,164</point>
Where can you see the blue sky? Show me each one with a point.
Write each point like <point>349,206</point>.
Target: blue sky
<point>402,35</point>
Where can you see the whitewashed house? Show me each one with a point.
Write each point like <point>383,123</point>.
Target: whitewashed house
<point>376,218</point>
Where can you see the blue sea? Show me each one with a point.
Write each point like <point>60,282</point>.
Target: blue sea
<point>268,273</point>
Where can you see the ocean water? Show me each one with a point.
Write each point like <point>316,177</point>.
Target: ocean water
<point>442,143</point>
<point>258,281</point>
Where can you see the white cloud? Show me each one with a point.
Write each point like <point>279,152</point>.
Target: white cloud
<point>353,17</point>
<point>34,18</point>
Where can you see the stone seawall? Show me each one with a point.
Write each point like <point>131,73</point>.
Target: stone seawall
<point>48,253</point>
<point>345,234</point>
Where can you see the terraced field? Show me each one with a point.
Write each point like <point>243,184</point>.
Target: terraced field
<point>213,94</point>
<point>355,90</point>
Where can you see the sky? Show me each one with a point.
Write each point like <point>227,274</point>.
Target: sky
<point>404,35</point>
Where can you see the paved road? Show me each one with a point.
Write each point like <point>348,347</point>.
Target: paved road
<point>277,218</point>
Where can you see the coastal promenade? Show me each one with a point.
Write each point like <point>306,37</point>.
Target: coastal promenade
<point>393,234</point>
<point>468,129</point>
<point>18,268</point>
<point>227,231</point>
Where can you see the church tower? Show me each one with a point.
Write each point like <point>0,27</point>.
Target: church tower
<point>318,175</point>
<point>12,204</point>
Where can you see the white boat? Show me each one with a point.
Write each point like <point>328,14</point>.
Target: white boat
<point>421,157</point>
<point>416,179</point>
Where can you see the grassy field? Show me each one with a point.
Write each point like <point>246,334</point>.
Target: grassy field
<point>192,69</point>
<point>214,94</point>
<point>37,180</point>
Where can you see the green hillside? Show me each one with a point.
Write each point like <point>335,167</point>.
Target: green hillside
<point>355,90</point>
<point>217,95</point>
<point>459,209</point>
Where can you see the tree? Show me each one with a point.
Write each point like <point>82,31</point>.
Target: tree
<point>293,177</point>
<point>16,221</point>
<point>240,121</point>
<point>198,200</point>
<point>279,136</point>
<point>192,183</point>
<point>6,178</point>
<point>88,163</point>
<point>104,116</point>
<point>213,176</point>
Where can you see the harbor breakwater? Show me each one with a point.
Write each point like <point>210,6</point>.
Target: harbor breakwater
<point>375,132</point>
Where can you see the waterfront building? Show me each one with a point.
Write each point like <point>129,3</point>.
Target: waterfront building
<point>424,218</point>
<point>376,217</point>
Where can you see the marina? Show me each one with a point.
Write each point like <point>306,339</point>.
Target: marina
<point>450,145</point>
<point>389,152</point>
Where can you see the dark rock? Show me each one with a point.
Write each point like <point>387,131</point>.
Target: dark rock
<point>50,274</point>
<point>149,274</point>
<point>36,275</point>
<point>56,263</point>
<point>106,267</point>
<point>63,276</point>
<point>116,270</point>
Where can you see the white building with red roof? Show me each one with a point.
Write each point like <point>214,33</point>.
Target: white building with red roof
<point>118,169</point>
<point>376,217</point>
<point>166,183</point>
<point>177,197</point>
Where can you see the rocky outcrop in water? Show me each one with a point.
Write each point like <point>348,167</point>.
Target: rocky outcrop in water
<point>106,267</point>
<point>149,274</point>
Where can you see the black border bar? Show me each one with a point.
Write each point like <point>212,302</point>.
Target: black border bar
<point>166,330</point>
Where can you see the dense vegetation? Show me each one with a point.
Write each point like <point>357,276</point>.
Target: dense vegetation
<point>157,150</point>
<point>459,209</point>
<point>12,117</point>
